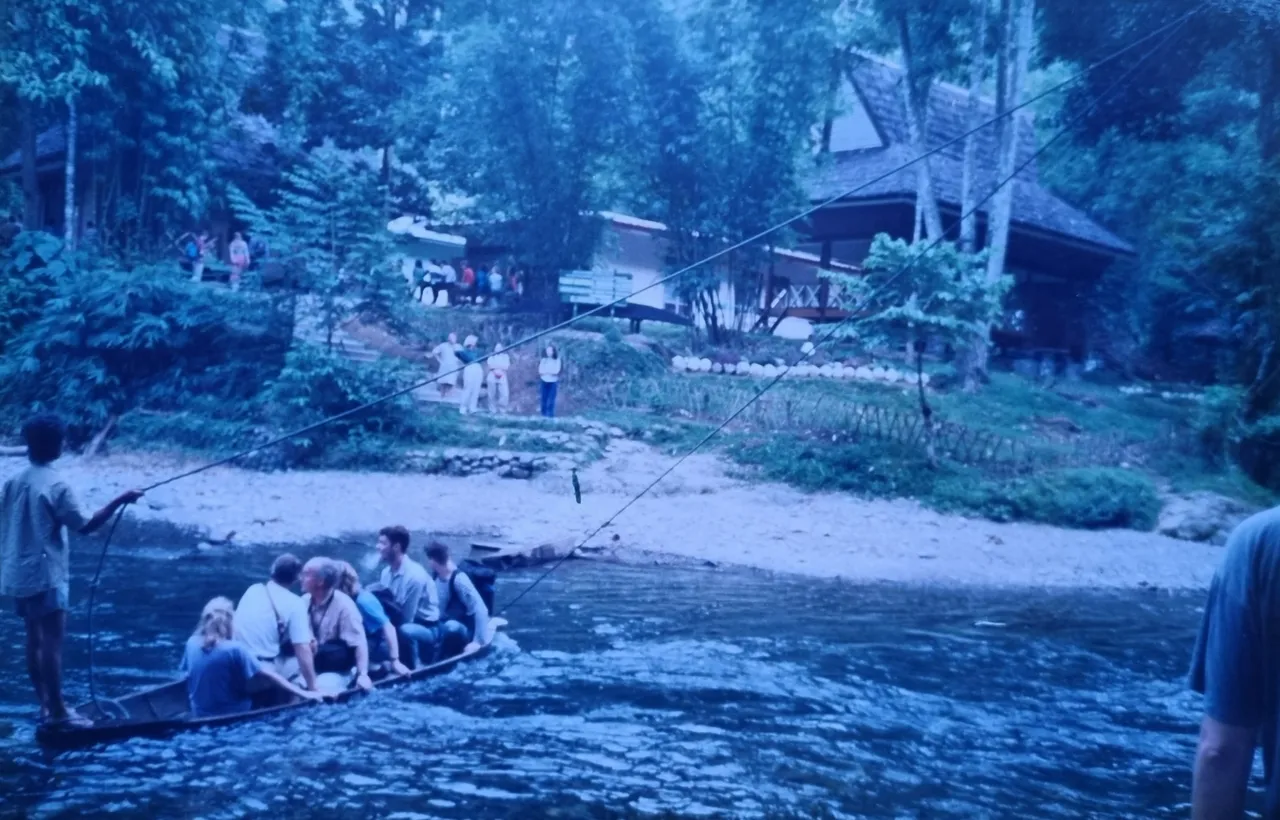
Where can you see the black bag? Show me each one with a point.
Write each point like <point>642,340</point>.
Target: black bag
<point>394,613</point>
<point>482,578</point>
<point>334,656</point>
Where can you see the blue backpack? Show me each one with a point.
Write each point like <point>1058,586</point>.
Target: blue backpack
<point>192,250</point>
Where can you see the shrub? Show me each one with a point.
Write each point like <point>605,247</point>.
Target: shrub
<point>590,360</point>
<point>864,467</point>
<point>198,432</point>
<point>317,383</point>
<point>108,341</point>
<point>1089,498</point>
<point>1079,498</point>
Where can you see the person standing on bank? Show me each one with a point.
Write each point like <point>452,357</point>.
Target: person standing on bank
<point>1236,666</point>
<point>472,376</point>
<point>549,380</point>
<point>499,385</point>
<point>36,509</point>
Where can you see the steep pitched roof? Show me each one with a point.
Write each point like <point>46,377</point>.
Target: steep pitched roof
<point>879,87</point>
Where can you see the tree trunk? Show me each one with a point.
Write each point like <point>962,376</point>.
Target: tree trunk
<point>1013,62</point>
<point>916,90</point>
<point>69,205</point>
<point>926,412</point>
<point>977,73</point>
<point>1017,62</point>
<point>31,217</point>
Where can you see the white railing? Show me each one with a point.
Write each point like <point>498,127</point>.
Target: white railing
<point>808,296</point>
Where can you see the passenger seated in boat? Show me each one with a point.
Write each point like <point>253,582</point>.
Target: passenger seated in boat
<point>219,668</point>
<point>272,622</point>
<point>465,618</point>
<point>384,646</point>
<point>336,622</point>
<point>411,598</point>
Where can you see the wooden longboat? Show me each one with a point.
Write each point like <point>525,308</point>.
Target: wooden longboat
<point>161,711</point>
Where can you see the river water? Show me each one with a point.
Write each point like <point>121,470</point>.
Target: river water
<point>652,691</point>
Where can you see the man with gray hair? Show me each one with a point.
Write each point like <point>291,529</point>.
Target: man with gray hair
<point>336,622</point>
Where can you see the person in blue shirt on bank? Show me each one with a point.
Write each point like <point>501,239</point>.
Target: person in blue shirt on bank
<point>1236,666</point>
<point>219,668</point>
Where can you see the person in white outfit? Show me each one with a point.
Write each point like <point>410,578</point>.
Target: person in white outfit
<point>472,376</point>
<point>446,353</point>
<point>499,385</point>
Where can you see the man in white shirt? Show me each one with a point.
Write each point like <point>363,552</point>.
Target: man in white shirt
<point>273,623</point>
<point>415,596</point>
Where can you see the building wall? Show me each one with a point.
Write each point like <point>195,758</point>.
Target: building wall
<point>643,254</point>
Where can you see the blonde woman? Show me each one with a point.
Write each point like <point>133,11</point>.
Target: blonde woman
<point>384,646</point>
<point>219,668</point>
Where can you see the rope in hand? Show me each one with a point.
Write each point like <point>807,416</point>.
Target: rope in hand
<point>1173,25</point>
<point>862,305</point>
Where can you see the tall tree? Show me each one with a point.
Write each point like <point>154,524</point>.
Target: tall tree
<point>730,93</point>
<point>537,137</point>
<point>48,63</point>
<point>1018,27</point>
<point>977,78</point>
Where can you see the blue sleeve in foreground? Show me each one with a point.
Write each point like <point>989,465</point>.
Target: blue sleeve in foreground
<point>1227,665</point>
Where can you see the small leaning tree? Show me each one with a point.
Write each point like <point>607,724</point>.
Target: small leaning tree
<point>921,293</point>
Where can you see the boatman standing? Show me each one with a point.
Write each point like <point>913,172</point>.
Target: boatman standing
<point>36,509</point>
<point>1236,666</point>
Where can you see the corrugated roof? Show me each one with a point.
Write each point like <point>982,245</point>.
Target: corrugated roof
<point>879,85</point>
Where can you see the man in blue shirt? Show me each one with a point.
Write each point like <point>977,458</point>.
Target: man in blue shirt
<point>1236,666</point>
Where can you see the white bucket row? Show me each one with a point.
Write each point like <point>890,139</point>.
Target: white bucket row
<point>873,373</point>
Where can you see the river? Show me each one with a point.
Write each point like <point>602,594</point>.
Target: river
<point>651,691</point>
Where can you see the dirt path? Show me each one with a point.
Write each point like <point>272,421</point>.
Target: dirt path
<point>697,512</point>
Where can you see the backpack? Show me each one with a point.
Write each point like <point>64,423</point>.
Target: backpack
<point>192,250</point>
<point>482,578</point>
<point>394,613</point>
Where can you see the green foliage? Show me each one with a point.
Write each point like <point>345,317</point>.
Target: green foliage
<point>1093,498</point>
<point>939,293</point>
<point>317,383</point>
<point>866,468</point>
<point>108,341</point>
<point>1076,498</point>
<point>536,136</point>
<point>30,270</point>
<point>729,93</point>
<point>329,233</point>
<point>200,432</point>
<point>586,361</point>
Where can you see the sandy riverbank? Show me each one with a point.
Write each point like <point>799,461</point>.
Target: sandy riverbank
<point>697,512</point>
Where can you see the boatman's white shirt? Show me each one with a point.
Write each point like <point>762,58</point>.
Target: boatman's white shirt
<point>255,620</point>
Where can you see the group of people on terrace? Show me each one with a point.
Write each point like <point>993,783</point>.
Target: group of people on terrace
<point>464,284</point>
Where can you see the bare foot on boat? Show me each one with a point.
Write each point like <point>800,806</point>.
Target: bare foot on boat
<point>70,720</point>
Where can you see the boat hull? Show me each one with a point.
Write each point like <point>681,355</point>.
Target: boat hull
<point>161,711</point>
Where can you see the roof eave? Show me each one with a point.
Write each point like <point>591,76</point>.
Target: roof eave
<point>904,198</point>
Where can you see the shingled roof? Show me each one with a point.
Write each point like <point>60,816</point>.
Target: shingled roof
<point>879,86</point>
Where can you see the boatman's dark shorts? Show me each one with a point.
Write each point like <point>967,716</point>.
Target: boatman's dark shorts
<point>35,607</point>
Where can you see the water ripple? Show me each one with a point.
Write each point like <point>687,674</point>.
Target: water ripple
<point>630,692</point>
